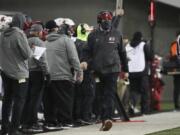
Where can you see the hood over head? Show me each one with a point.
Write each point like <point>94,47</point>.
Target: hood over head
<point>18,20</point>
<point>137,38</point>
<point>9,31</point>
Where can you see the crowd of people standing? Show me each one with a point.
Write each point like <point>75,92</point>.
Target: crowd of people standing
<point>78,61</point>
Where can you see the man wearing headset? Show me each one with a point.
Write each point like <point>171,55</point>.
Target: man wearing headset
<point>106,57</point>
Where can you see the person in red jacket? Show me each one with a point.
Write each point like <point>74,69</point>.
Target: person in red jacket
<point>156,84</point>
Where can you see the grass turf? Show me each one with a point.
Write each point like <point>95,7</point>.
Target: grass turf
<point>166,106</point>
<point>174,131</point>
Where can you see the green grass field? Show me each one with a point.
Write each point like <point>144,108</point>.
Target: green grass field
<point>167,106</point>
<point>174,131</point>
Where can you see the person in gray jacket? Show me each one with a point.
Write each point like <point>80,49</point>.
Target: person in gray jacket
<point>14,53</point>
<point>64,67</point>
<point>38,72</point>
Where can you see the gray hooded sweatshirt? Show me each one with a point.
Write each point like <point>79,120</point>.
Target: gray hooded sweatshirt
<point>14,50</point>
<point>62,57</point>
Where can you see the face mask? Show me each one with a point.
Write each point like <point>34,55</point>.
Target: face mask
<point>106,25</point>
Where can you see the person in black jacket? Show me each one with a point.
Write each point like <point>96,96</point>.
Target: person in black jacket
<point>116,21</point>
<point>85,92</point>
<point>106,55</point>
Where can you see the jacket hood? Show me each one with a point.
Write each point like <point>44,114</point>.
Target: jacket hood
<point>9,31</point>
<point>137,38</point>
<point>53,36</point>
<point>134,43</point>
<point>18,21</point>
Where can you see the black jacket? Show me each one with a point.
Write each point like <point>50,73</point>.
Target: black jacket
<point>81,47</point>
<point>106,52</point>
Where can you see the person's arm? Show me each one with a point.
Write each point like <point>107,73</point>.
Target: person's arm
<point>117,18</point>
<point>23,46</point>
<point>86,62</point>
<point>123,56</point>
<point>89,50</point>
<point>73,58</point>
<point>72,54</point>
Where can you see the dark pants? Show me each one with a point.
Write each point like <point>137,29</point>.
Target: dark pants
<point>34,97</point>
<point>84,97</point>
<point>49,104</point>
<point>108,86</point>
<point>13,99</point>
<point>97,101</point>
<point>140,86</point>
<point>63,94</point>
<point>176,91</point>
